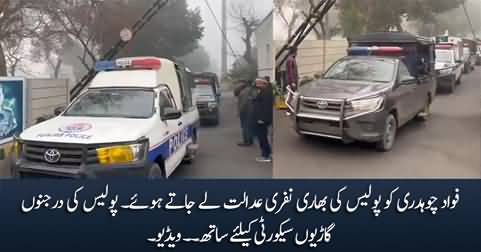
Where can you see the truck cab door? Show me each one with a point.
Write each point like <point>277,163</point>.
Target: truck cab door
<point>172,135</point>
<point>407,92</point>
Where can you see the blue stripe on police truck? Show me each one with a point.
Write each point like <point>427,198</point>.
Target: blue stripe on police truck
<point>172,144</point>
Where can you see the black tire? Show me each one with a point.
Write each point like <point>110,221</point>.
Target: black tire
<point>451,86</point>
<point>189,159</point>
<point>215,121</point>
<point>156,172</point>
<point>389,135</point>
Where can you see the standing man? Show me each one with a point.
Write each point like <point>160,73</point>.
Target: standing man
<point>292,73</point>
<point>245,93</point>
<point>263,114</point>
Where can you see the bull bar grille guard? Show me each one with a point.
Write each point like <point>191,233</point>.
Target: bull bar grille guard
<point>293,101</point>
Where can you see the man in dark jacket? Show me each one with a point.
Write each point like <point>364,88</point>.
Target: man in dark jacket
<point>245,93</point>
<point>263,114</point>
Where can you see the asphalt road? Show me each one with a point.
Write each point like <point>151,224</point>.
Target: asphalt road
<point>447,146</point>
<point>219,156</point>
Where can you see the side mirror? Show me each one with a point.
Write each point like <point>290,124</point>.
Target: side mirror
<point>171,114</point>
<point>59,110</point>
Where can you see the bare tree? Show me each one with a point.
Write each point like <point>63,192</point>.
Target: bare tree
<point>18,20</point>
<point>289,12</point>
<point>246,22</point>
<point>77,20</point>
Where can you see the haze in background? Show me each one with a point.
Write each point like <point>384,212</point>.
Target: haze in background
<point>212,40</point>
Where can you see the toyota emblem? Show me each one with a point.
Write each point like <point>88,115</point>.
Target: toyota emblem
<point>52,156</point>
<point>322,104</point>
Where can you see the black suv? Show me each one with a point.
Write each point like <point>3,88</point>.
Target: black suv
<point>207,94</point>
<point>387,80</point>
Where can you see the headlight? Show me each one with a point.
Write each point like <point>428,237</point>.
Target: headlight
<point>367,105</point>
<point>212,105</point>
<point>121,154</point>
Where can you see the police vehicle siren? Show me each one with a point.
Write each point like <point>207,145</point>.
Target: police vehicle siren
<point>374,50</point>
<point>146,63</point>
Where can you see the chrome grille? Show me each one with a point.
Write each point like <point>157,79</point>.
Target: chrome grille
<point>312,104</point>
<point>71,155</point>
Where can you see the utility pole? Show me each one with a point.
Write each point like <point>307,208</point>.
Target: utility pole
<point>224,41</point>
<point>469,20</point>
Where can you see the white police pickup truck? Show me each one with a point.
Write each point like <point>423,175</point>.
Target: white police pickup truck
<point>136,118</point>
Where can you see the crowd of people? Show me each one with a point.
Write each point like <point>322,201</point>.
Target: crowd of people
<point>255,106</point>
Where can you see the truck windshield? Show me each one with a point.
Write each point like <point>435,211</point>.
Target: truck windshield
<point>204,90</point>
<point>444,56</point>
<point>114,103</point>
<point>374,70</point>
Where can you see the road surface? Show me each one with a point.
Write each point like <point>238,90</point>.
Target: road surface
<point>447,146</point>
<point>219,156</point>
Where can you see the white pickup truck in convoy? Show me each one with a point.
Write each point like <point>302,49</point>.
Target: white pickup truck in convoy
<point>449,67</point>
<point>136,118</point>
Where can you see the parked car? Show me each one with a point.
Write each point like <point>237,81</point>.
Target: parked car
<point>207,93</point>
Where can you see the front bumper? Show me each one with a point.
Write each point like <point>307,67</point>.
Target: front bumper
<point>27,169</point>
<point>206,113</point>
<point>446,79</point>
<point>365,128</point>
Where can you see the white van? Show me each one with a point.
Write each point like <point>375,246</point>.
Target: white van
<point>136,118</point>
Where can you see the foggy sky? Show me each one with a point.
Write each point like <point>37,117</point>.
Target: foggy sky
<point>212,39</point>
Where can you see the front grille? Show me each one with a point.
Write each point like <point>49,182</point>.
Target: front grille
<point>71,155</point>
<point>333,108</point>
<point>312,104</point>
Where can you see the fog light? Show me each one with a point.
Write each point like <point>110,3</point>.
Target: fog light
<point>120,154</point>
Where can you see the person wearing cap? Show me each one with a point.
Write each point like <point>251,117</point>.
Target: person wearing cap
<point>263,114</point>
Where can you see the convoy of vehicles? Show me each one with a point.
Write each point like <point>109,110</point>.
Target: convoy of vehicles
<point>207,94</point>
<point>137,117</point>
<point>387,80</point>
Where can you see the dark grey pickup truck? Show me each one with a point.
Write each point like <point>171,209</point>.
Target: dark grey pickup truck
<point>364,97</point>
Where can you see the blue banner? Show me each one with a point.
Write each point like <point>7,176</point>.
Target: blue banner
<point>240,215</point>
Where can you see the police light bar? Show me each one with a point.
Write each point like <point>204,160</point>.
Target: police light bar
<point>374,50</point>
<point>148,63</point>
<point>444,46</point>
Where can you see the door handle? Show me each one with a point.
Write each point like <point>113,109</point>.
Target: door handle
<point>180,124</point>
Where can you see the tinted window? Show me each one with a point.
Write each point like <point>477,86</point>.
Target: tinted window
<point>363,69</point>
<point>204,90</point>
<point>166,100</point>
<point>404,73</point>
<point>114,103</point>
<point>185,81</point>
